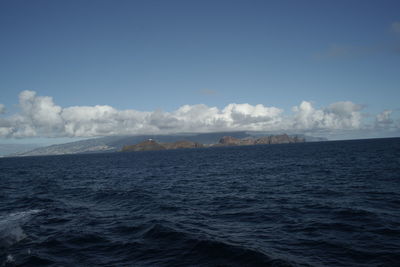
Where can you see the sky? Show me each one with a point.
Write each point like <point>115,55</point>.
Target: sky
<point>80,69</point>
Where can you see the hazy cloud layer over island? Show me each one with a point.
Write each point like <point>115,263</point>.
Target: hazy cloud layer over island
<point>39,116</point>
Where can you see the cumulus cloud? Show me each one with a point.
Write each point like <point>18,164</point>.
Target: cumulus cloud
<point>2,109</point>
<point>339,115</point>
<point>40,116</point>
<point>384,120</point>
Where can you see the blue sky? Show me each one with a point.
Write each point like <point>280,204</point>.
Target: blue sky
<point>161,55</point>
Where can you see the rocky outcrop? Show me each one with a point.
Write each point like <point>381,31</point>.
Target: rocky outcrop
<point>266,140</point>
<point>281,139</point>
<point>229,141</point>
<point>232,141</point>
<point>148,145</point>
<point>182,144</point>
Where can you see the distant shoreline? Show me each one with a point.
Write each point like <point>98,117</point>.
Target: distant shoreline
<point>153,145</point>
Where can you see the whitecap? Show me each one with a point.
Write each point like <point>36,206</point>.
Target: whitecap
<point>10,258</point>
<point>10,227</point>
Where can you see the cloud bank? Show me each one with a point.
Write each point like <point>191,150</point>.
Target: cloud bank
<point>39,116</point>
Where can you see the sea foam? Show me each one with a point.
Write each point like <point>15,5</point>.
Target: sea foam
<point>10,227</point>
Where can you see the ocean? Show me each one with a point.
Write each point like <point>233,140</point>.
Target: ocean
<point>310,204</point>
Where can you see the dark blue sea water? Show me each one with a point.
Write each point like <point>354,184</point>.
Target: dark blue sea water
<point>318,204</point>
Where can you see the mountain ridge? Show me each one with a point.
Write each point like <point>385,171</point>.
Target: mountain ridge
<point>152,145</point>
<point>115,143</point>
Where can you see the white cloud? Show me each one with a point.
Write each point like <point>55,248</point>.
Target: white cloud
<point>384,120</point>
<point>41,112</point>
<point>2,109</point>
<point>40,116</point>
<point>337,116</point>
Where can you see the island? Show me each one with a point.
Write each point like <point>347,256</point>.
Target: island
<point>152,145</point>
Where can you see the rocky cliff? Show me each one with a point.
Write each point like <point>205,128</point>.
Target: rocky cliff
<point>182,144</point>
<point>150,144</point>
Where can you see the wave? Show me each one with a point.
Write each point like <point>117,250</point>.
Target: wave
<point>273,207</point>
<point>186,249</point>
<point>154,243</point>
<point>10,227</point>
